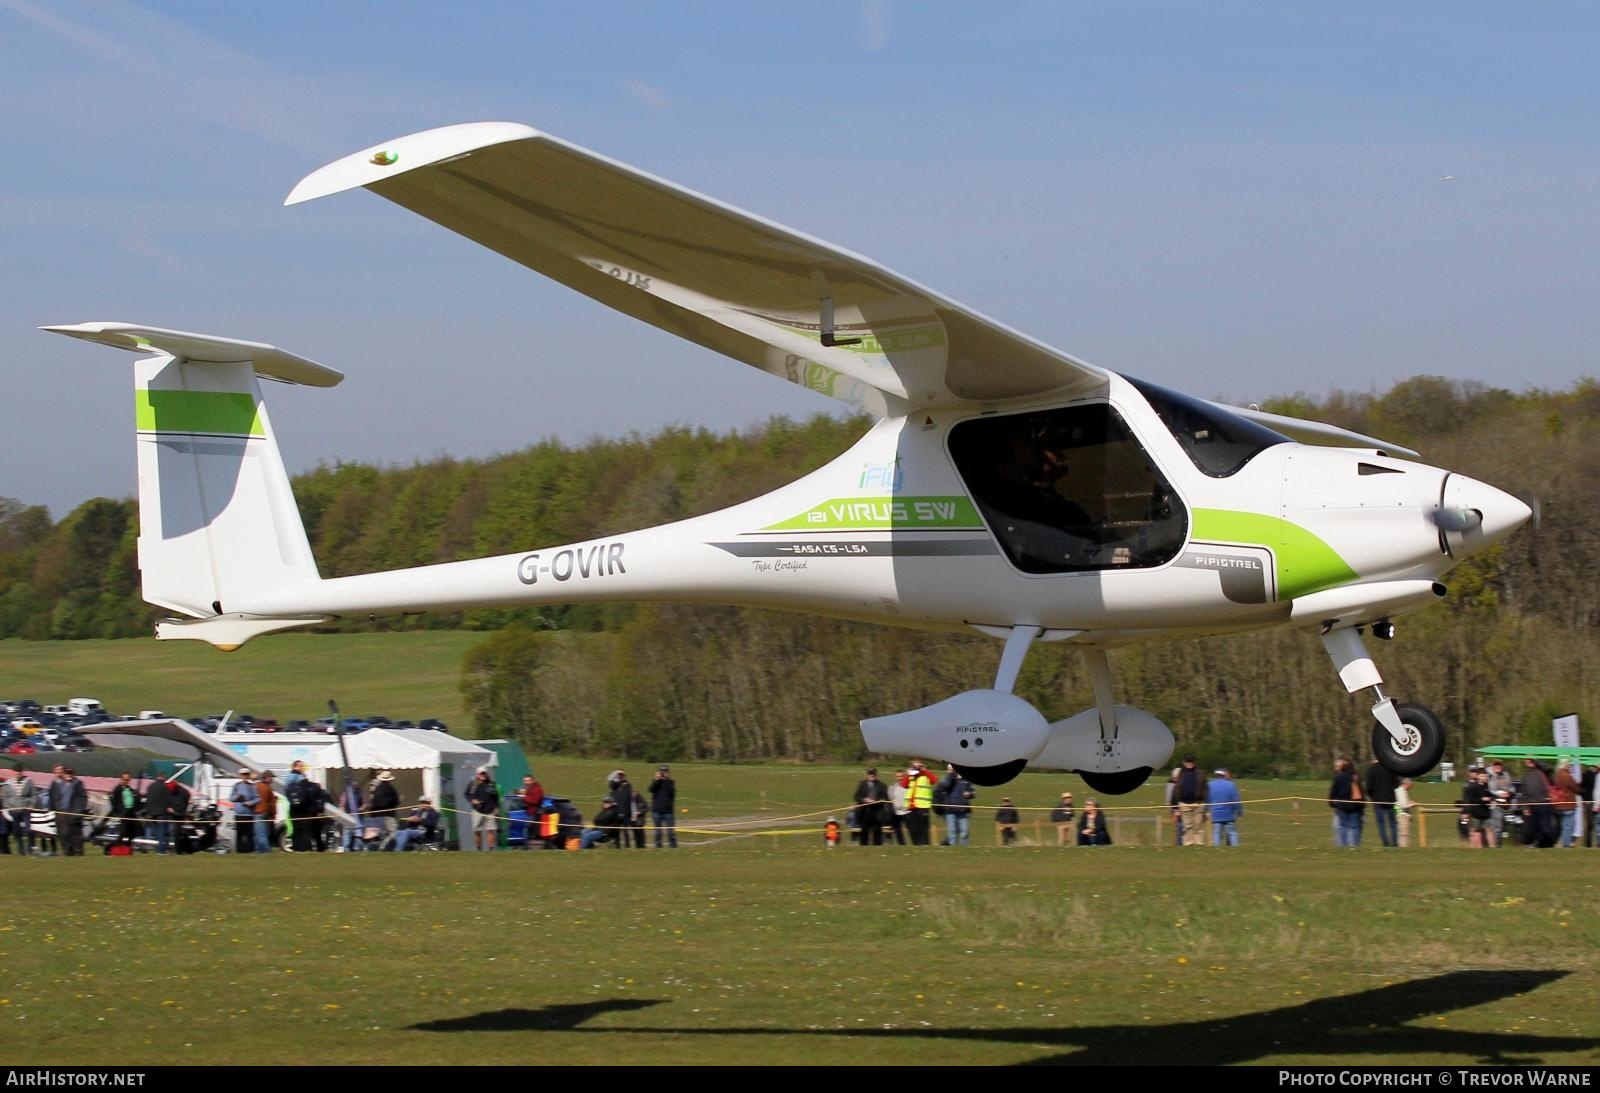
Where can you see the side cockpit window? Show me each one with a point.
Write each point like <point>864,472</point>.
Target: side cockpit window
<point>1069,490</point>
<point>1217,442</point>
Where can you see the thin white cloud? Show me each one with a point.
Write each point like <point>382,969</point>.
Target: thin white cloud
<point>85,39</point>
<point>188,77</point>
<point>873,34</point>
<point>652,98</point>
<point>139,242</point>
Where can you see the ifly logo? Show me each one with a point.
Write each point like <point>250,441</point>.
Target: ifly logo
<point>882,476</point>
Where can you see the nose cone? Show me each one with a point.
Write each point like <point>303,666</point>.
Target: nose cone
<point>1476,515</point>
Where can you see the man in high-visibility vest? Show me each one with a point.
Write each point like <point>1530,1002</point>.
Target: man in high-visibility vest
<point>919,801</point>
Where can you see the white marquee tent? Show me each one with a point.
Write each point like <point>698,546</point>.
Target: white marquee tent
<point>425,763</point>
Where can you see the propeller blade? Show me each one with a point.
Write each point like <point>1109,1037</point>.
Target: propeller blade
<point>1458,519</point>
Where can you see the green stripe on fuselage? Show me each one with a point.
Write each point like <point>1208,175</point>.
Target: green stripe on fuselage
<point>1304,562</point>
<point>229,413</point>
<point>884,514</point>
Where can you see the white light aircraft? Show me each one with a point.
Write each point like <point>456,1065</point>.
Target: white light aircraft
<point>1006,488</point>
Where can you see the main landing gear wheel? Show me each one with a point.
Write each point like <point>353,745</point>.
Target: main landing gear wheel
<point>991,776</point>
<point>1420,749</point>
<point>1114,782</point>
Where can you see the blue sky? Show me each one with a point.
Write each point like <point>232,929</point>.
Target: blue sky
<point>1236,199</point>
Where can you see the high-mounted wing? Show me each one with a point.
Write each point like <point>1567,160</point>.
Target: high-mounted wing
<point>1319,433</point>
<point>796,307</point>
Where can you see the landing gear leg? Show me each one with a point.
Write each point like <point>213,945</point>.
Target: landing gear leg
<point>1018,642</point>
<point>1110,782</point>
<point>1408,739</point>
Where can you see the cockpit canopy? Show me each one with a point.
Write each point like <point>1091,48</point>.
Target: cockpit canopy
<point>1217,442</point>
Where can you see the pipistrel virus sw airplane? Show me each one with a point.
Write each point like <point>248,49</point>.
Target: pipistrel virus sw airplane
<point>1006,487</point>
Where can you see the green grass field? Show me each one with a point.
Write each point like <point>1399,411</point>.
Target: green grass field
<point>755,944</point>
<point>402,676</point>
<point>791,955</point>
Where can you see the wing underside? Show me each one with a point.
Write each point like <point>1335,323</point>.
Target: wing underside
<point>793,306</point>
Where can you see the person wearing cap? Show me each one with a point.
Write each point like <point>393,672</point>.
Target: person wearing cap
<point>484,797</point>
<point>266,812</point>
<point>1006,820</point>
<point>622,793</point>
<point>607,822</point>
<point>1222,799</point>
<point>664,806</point>
<point>384,802</point>
<point>1190,795</point>
<point>420,825</point>
<point>1062,816</point>
<point>871,801</point>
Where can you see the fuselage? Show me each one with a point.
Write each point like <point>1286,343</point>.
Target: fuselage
<point>1126,514</point>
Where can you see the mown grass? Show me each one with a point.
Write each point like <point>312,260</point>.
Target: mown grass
<point>764,947</point>
<point>744,952</point>
<point>401,676</point>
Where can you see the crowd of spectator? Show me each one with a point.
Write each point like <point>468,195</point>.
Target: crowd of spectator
<point>1541,807</point>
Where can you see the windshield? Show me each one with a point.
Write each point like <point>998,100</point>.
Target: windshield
<point>1217,442</point>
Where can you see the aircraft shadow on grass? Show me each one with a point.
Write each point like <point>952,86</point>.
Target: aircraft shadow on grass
<point>1369,1023</point>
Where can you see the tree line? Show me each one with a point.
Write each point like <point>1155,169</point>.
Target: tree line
<point>1515,643</point>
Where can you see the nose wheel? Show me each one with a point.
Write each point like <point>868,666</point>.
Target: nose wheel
<point>1418,748</point>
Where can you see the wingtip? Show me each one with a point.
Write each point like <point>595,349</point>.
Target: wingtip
<point>402,154</point>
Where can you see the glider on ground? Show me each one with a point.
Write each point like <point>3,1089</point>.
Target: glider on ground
<point>1006,487</point>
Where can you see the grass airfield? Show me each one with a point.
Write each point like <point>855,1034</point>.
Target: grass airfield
<point>775,950</point>
<point>756,945</point>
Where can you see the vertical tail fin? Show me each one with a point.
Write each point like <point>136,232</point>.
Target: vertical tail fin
<point>217,519</point>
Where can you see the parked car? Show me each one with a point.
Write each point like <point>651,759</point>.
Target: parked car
<point>22,747</point>
<point>433,723</point>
